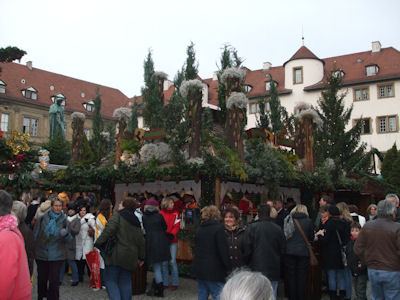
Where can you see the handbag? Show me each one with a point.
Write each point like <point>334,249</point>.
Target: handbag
<point>107,247</point>
<point>91,231</point>
<point>342,250</point>
<point>313,258</point>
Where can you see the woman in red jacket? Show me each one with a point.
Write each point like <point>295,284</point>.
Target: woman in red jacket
<point>171,217</point>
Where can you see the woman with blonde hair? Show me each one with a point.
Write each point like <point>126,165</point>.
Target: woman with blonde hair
<point>211,261</point>
<point>371,212</point>
<point>345,215</point>
<point>171,217</point>
<point>297,258</point>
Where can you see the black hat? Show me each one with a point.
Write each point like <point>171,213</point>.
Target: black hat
<point>333,210</point>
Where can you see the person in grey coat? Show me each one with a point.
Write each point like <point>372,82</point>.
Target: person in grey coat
<point>74,226</point>
<point>50,236</point>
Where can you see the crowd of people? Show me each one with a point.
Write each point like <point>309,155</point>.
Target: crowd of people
<point>237,250</point>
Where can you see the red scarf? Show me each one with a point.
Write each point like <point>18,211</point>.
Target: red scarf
<point>8,222</point>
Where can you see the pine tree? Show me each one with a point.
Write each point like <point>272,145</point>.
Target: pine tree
<point>152,105</point>
<point>278,113</point>
<point>96,142</point>
<point>332,140</point>
<point>263,118</point>
<point>133,121</point>
<point>229,58</point>
<point>10,54</point>
<point>391,167</point>
<point>191,69</point>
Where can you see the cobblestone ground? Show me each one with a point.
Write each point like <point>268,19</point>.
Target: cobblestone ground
<point>187,291</point>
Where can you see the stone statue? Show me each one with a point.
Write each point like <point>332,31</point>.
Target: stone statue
<point>57,119</point>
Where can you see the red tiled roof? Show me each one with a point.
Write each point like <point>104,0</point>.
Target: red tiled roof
<point>13,73</point>
<point>302,53</point>
<point>353,66</point>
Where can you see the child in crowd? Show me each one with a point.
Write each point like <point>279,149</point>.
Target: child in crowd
<point>357,267</point>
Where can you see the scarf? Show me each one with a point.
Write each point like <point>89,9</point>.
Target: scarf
<point>51,228</point>
<point>232,228</point>
<point>8,222</point>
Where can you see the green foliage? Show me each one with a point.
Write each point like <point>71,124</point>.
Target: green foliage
<point>133,121</point>
<point>391,167</point>
<point>97,141</point>
<point>331,140</point>
<point>152,104</point>
<point>129,145</point>
<point>88,155</point>
<point>191,67</point>
<point>5,151</point>
<point>207,123</point>
<point>229,58</point>
<point>9,54</point>
<point>278,113</point>
<point>267,163</point>
<point>263,118</point>
<point>20,182</point>
<point>59,149</point>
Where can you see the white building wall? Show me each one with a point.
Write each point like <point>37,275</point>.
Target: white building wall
<point>373,108</point>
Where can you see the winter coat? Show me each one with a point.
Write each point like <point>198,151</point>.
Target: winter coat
<point>74,226</point>
<point>50,248</point>
<point>234,238</point>
<point>157,244</point>
<point>296,245</point>
<point>280,217</point>
<point>211,258</point>
<point>15,281</point>
<point>101,222</point>
<point>32,208</point>
<point>354,261</point>
<point>84,242</point>
<point>44,208</point>
<point>173,222</point>
<point>378,245</point>
<point>130,245</point>
<point>27,234</point>
<point>263,247</point>
<point>330,248</point>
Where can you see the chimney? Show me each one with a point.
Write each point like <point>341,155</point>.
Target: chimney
<point>167,84</point>
<point>29,65</point>
<point>267,65</point>
<point>376,47</point>
<point>215,76</point>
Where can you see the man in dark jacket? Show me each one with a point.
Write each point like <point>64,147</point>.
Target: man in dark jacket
<point>378,245</point>
<point>264,245</point>
<point>211,261</point>
<point>282,213</point>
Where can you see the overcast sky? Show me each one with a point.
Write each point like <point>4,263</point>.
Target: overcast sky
<point>106,42</point>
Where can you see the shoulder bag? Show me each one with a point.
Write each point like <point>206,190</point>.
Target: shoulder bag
<point>342,250</point>
<point>313,258</point>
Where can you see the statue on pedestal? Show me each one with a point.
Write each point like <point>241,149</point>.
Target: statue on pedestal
<point>57,119</point>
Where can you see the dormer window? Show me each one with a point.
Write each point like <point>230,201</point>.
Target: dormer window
<point>30,93</point>
<point>372,70</point>
<point>247,88</point>
<point>268,85</point>
<point>89,105</point>
<point>59,95</point>
<point>338,73</point>
<point>2,87</point>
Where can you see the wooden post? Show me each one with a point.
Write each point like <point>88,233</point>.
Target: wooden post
<point>217,192</point>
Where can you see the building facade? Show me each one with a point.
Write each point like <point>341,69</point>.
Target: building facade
<point>26,94</point>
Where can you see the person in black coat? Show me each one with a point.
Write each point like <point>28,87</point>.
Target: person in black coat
<point>264,246</point>
<point>297,258</point>
<point>157,244</point>
<point>211,261</point>
<point>234,234</point>
<point>330,250</point>
<point>282,212</point>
